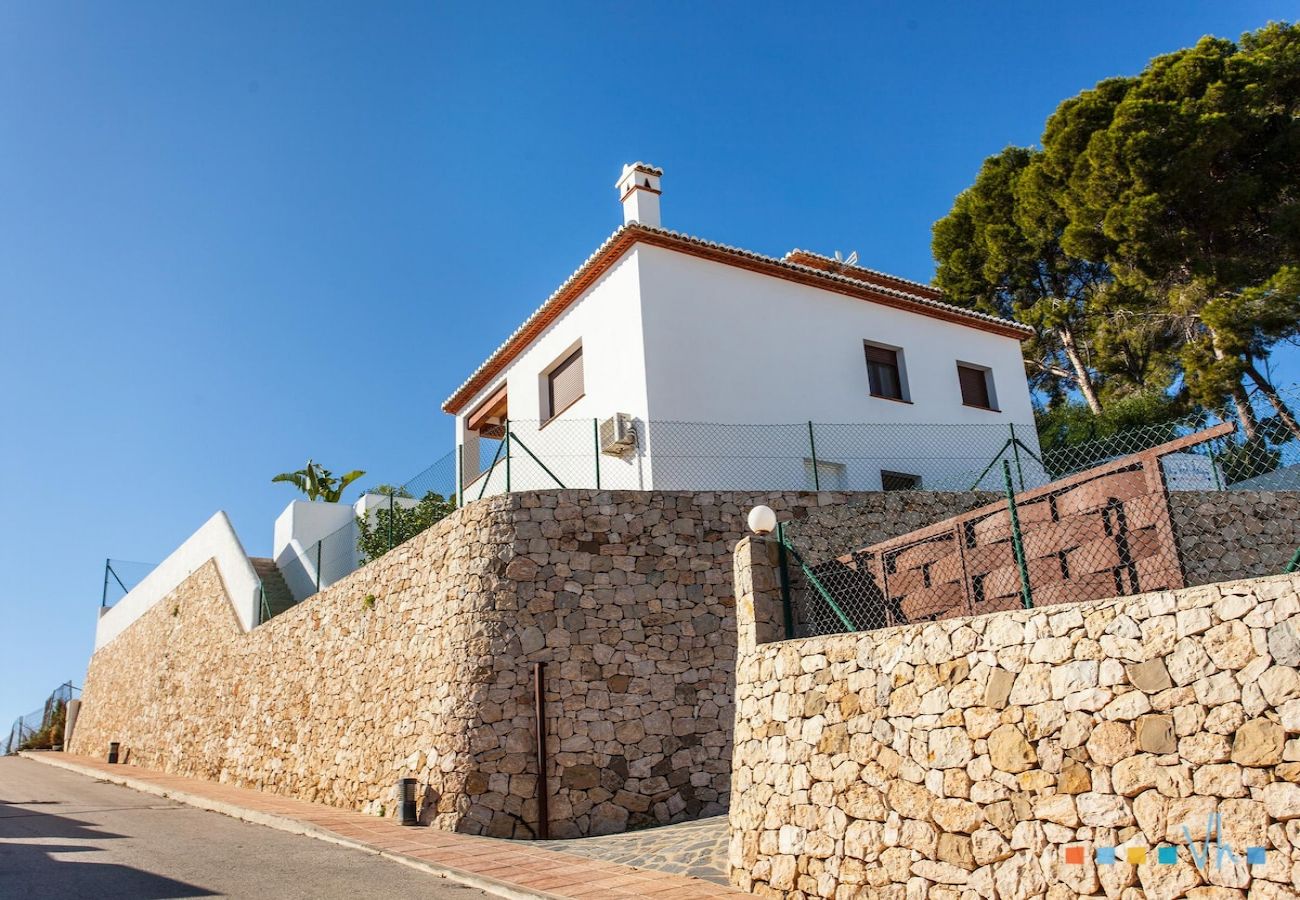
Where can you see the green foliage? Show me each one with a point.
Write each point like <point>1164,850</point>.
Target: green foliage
<point>1072,438</point>
<point>51,734</point>
<point>318,482</point>
<point>1152,242</point>
<point>1246,460</point>
<point>1072,423</point>
<point>999,251</point>
<point>1188,190</point>
<point>387,527</point>
<point>369,602</point>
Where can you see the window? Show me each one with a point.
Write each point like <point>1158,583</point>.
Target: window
<point>884,372</point>
<point>564,384</point>
<point>976,386</point>
<point>830,476</point>
<point>899,481</point>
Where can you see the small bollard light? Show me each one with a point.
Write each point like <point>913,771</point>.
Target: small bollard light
<point>406,798</point>
<point>113,747</point>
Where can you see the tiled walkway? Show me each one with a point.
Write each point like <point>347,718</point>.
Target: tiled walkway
<point>588,869</point>
<point>698,849</point>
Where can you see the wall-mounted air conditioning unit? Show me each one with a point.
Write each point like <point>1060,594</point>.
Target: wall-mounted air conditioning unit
<point>617,435</point>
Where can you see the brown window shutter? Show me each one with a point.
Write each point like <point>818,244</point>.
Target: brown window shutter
<point>881,355</point>
<point>565,382</point>
<point>974,387</point>
<point>882,373</point>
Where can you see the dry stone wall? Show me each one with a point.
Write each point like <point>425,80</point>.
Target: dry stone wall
<point>420,664</point>
<point>961,759</point>
<point>1226,535</point>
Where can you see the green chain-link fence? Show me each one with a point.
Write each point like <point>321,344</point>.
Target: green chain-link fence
<point>394,514</point>
<point>524,455</point>
<point>42,729</point>
<point>1158,507</point>
<point>120,578</point>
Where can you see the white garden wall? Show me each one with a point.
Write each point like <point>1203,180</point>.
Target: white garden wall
<point>215,540</point>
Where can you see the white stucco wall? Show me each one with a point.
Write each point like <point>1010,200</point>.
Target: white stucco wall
<point>298,529</point>
<point>726,345</point>
<point>215,540</point>
<point>723,368</point>
<point>607,321</point>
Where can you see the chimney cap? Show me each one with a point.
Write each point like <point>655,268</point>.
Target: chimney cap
<point>638,189</point>
<point>638,166</point>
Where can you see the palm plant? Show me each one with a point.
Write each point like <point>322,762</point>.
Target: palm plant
<point>318,482</point>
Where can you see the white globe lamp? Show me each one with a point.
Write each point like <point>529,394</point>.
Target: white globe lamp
<point>762,520</point>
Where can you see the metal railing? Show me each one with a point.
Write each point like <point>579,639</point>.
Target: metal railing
<point>524,455</point>
<point>405,510</point>
<point>801,456</point>
<point>42,729</point>
<point>120,577</point>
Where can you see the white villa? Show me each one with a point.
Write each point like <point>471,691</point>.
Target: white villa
<point>661,331</point>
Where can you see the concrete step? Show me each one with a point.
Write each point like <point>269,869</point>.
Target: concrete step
<point>276,595</point>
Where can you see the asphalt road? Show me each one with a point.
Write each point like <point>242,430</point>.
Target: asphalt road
<point>64,835</point>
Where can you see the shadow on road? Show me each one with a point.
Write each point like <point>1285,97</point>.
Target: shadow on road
<point>30,869</point>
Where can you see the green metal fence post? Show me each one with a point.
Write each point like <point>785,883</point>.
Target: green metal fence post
<point>989,468</point>
<point>507,443</point>
<point>812,447</point>
<point>595,433</point>
<point>390,519</point>
<point>545,468</point>
<point>103,598</point>
<point>319,545</point>
<point>1015,449</point>
<point>460,474</point>
<point>787,607</point>
<point>1026,595</point>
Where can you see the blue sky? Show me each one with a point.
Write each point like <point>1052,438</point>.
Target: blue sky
<point>237,235</point>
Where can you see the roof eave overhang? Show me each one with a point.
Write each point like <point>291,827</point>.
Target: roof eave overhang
<point>631,234</point>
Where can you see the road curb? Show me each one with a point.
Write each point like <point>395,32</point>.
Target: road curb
<point>292,826</point>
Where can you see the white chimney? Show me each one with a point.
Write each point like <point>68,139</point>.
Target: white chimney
<point>638,188</point>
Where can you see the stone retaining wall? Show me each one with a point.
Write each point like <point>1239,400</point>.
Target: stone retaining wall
<point>1226,535</point>
<point>964,758</point>
<point>420,664</point>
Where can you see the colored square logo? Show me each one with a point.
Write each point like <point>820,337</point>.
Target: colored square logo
<point>1255,856</point>
<point>1167,856</point>
<point>1074,856</point>
<point>1136,855</point>
<point>1106,856</point>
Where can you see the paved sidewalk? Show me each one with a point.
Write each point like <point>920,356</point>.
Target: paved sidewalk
<point>515,869</point>
<point>698,848</point>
